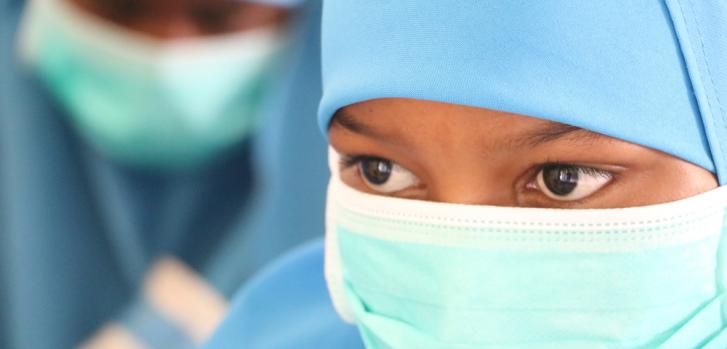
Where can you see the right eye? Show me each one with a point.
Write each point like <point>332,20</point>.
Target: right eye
<point>384,176</point>
<point>565,182</point>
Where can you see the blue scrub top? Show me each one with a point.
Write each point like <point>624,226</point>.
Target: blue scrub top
<point>78,233</point>
<point>279,309</point>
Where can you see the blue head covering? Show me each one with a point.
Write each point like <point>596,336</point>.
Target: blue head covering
<point>79,233</point>
<point>651,72</point>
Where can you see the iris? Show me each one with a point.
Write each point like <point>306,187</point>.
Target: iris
<point>376,171</point>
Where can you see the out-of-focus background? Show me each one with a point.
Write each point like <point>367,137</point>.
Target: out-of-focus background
<point>154,154</point>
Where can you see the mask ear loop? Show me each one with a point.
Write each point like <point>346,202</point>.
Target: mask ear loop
<point>332,262</point>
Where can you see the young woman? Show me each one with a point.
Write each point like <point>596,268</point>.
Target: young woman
<point>515,175</point>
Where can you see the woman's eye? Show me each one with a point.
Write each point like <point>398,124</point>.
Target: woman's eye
<point>570,182</point>
<point>384,176</point>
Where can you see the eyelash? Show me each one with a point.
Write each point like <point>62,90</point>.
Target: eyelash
<point>582,169</point>
<point>347,161</point>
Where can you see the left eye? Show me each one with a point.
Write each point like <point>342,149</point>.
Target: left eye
<point>571,182</point>
<point>384,176</point>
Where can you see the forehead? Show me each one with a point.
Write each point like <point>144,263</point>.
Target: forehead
<point>426,121</point>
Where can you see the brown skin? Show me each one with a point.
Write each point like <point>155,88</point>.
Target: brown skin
<point>173,19</point>
<point>468,155</point>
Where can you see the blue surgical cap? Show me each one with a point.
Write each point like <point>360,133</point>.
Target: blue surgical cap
<point>651,72</point>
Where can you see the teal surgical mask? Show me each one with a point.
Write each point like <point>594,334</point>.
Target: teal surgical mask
<point>425,275</point>
<point>144,101</point>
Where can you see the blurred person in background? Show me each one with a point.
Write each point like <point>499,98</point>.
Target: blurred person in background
<point>150,160</point>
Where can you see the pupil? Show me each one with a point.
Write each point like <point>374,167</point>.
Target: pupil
<point>560,179</point>
<point>376,171</point>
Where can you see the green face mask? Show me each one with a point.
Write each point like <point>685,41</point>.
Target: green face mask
<point>147,102</point>
<point>425,275</point>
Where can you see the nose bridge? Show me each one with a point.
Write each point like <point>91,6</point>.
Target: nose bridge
<point>459,175</point>
<point>471,163</point>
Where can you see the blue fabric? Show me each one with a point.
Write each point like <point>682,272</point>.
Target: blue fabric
<point>78,232</point>
<point>614,67</point>
<point>290,162</point>
<point>150,327</point>
<point>286,307</point>
<point>701,27</point>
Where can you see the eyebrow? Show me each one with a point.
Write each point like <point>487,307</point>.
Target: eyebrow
<point>550,131</point>
<point>349,122</point>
